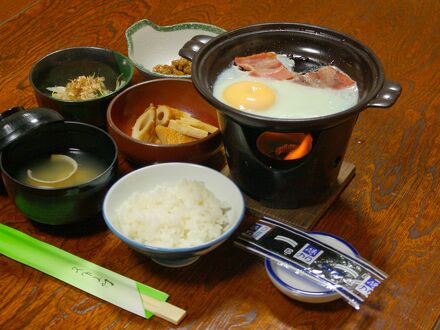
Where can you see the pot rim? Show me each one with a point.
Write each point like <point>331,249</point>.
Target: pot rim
<point>282,123</point>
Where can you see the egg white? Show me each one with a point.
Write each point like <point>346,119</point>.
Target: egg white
<point>292,100</point>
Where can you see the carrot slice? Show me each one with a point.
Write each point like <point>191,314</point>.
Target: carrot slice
<point>302,150</point>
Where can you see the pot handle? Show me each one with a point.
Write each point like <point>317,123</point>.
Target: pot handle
<point>191,47</point>
<point>387,96</point>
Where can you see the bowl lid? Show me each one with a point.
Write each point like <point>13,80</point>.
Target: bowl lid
<point>17,121</point>
<point>300,288</point>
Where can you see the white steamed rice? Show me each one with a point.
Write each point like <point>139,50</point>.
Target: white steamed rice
<point>181,215</point>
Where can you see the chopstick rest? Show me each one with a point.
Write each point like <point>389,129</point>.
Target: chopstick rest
<point>103,283</point>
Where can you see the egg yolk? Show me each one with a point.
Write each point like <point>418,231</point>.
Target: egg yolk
<point>249,95</point>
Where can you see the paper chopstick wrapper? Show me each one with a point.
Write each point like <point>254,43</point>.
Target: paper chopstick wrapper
<point>112,287</point>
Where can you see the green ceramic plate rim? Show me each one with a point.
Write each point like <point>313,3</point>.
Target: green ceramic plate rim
<point>165,28</point>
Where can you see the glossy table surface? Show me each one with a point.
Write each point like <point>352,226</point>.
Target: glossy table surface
<point>390,211</point>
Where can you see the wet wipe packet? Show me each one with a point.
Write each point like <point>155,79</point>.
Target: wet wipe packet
<point>353,278</point>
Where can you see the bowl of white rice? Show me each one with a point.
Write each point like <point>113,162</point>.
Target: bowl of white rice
<point>174,212</point>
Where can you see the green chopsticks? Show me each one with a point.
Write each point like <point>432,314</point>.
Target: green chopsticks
<point>89,277</point>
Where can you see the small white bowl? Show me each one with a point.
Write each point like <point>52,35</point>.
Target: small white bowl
<point>150,44</point>
<point>299,288</point>
<point>146,179</point>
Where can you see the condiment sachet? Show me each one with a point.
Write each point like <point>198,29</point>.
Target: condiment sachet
<point>353,278</point>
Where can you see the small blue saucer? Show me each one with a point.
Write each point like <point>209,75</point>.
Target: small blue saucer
<point>300,288</point>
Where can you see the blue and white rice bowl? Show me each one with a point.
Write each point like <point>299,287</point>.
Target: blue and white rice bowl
<point>146,179</point>
<point>300,288</point>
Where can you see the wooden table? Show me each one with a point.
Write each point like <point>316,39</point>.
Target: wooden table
<point>390,211</point>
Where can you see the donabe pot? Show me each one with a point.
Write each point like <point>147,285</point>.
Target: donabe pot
<point>288,184</point>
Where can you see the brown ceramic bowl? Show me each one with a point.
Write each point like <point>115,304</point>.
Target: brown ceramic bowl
<point>178,93</point>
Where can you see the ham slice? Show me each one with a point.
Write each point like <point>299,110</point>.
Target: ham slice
<point>267,65</point>
<point>264,65</point>
<point>325,77</point>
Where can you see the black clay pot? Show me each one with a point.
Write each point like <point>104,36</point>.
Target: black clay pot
<point>289,184</point>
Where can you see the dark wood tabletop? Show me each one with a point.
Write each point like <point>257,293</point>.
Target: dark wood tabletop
<point>390,211</point>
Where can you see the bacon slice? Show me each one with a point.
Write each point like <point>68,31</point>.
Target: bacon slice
<point>264,65</point>
<point>267,65</point>
<point>325,77</point>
